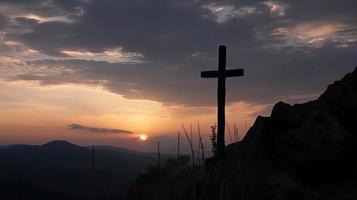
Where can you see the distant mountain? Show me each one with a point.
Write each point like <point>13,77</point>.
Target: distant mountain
<point>111,148</point>
<point>130,151</point>
<point>60,145</point>
<point>62,154</point>
<point>64,168</point>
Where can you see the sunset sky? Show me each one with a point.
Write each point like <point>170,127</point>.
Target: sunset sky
<point>106,71</point>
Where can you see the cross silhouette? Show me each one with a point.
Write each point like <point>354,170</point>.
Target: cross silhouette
<point>221,74</point>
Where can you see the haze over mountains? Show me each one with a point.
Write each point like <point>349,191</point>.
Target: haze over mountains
<point>61,170</point>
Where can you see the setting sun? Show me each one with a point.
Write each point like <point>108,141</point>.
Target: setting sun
<point>143,137</point>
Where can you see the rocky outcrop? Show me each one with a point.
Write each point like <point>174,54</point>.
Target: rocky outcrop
<point>311,136</point>
<point>316,139</point>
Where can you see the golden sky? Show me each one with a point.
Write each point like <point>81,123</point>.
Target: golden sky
<point>32,113</point>
<point>104,72</point>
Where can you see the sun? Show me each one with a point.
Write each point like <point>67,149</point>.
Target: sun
<point>143,137</point>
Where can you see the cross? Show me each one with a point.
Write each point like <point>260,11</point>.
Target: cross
<point>221,74</point>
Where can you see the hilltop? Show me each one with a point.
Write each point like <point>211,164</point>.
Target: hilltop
<point>302,151</point>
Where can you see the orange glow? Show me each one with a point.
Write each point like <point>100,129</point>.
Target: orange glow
<point>143,137</point>
<point>32,112</point>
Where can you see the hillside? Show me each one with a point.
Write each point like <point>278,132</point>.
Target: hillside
<point>304,151</point>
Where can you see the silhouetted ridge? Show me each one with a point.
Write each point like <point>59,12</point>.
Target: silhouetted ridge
<point>60,144</point>
<point>300,131</point>
<point>62,167</point>
<point>340,99</point>
<point>340,90</point>
<point>65,155</point>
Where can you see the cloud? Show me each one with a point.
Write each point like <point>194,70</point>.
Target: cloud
<point>158,52</point>
<point>3,21</point>
<point>115,55</point>
<point>97,130</point>
<point>276,8</point>
<point>315,34</point>
<point>223,13</point>
<point>41,19</point>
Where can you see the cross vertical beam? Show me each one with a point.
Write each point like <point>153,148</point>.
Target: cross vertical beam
<point>221,74</point>
<point>221,100</point>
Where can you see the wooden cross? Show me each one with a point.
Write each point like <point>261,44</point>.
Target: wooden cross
<point>221,74</point>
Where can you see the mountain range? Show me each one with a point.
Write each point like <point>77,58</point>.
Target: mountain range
<point>61,170</point>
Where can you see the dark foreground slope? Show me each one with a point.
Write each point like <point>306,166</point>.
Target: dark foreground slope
<point>304,151</point>
<point>61,170</point>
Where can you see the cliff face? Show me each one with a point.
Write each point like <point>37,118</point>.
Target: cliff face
<point>309,141</point>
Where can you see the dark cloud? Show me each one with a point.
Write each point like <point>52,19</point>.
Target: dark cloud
<point>178,39</point>
<point>97,130</point>
<point>45,8</point>
<point>162,30</point>
<point>3,21</point>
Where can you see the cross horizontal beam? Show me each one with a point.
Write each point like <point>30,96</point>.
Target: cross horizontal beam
<point>209,74</point>
<point>227,73</point>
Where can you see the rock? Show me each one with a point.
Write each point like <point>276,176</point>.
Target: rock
<point>319,138</point>
<point>320,131</point>
<point>284,115</point>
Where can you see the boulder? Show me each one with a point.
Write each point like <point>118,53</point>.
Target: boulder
<point>284,116</point>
